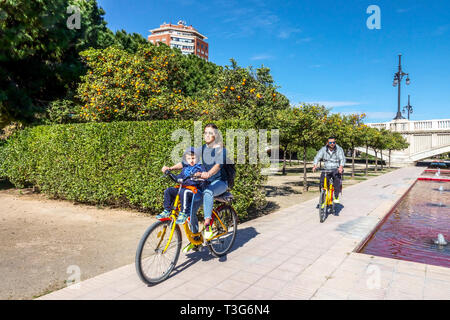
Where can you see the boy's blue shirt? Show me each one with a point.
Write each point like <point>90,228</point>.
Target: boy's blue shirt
<point>189,170</point>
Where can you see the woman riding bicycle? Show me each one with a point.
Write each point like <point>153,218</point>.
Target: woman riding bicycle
<point>213,160</point>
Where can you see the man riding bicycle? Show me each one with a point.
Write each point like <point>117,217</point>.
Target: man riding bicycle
<point>334,158</point>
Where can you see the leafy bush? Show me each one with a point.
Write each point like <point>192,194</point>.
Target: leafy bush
<point>115,163</point>
<point>62,111</point>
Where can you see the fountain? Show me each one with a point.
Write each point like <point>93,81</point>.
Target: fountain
<point>440,240</point>
<point>441,188</point>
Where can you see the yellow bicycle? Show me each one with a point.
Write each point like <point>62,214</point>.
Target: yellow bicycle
<point>160,246</point>
<point>326,203</point>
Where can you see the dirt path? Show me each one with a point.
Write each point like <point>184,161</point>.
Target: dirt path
<point>42,239</point>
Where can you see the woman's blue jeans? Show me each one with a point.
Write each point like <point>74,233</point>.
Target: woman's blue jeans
<point>215,188</point>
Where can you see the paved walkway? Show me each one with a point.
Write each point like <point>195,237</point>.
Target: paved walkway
<point>290,255</point>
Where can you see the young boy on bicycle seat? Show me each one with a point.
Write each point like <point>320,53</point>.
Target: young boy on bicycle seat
<point>191,165</point>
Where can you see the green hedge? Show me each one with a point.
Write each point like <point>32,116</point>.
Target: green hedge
<point>115,163</point>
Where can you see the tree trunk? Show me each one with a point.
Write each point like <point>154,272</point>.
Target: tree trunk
<point>381,162</point>
<point>353,163</point>
<point>367,158</point>
<point>376,160</point>
<point>290,158</point>
<point>389,158</point>
<point>284,161</point>
<point>305,181</point>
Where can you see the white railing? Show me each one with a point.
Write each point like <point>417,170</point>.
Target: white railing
<point>420,125</point>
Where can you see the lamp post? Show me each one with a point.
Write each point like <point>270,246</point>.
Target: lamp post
<point>408,108</point>
<point>398,76</point>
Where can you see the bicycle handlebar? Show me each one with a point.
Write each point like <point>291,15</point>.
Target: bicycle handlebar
<point>174,178</point>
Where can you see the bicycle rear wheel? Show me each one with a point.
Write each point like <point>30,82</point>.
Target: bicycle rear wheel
<point>152,264</point>
<point>322,211</point>
<point>221,246</point>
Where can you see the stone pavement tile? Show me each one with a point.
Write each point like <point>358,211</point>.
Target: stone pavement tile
<point>300,260</point>
<point>284,275</point>
<point>273,259</point>
<point>104,293</point>
<point>332,261</point>
<point>256,293</point>
<point>367,290</point>
<point>152,292</point>
<point>63,294</point>
<point>258,251</point>
<point>127,297</point>
<point>309,254</point>
<point>412,289</point>
<point>321,271</point>
<point>215,294</point>
<point>325,293</point>
<point>289,250</point>
<point>248,259</point>
<point>432,275</point>
<point>246,276</point>
<point>343,281</point>
<point>173,296</point>
<point>354,266</point>
<point>325,296</point>
<point>260,269</point>
<point>407,279</point>
<point>127,284</point>
<point>436,290</point>
<point>192,288</point>
<point>296,291</point>
<point>80,289</point>
<point>438,269</point>
<point>415,269</point>
<point>396,294</point>
<point>224,271</point>
<point>306,281</point>
<point>271,283</point>
<point>233,286</point>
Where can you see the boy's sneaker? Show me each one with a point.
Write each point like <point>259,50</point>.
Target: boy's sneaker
<point>164,214</point>
<point>190,247</point>
<point>336,200</point>
<point>208,233</point>
<point>182,217</point>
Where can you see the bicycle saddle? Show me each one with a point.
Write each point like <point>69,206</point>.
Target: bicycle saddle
<point>224,197</point>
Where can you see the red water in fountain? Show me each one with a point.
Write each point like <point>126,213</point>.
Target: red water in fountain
<point>410,230</point>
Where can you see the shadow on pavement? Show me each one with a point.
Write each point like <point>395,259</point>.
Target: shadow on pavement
<point>337,210</point>
<point>242,237</point>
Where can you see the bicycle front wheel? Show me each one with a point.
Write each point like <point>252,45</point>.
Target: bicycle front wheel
<point>322,211</point>
<point>153,264</point>
<point>221,245</point>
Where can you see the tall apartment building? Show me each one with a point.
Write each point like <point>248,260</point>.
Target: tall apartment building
<point>186,38</point>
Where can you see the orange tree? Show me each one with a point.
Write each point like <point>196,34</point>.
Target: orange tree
<point>142,86</point>
<point>309,129</point>
<point>351,136</point>
<point>247,94</point>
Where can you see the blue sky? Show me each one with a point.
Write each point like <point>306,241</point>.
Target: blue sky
<point>320,51</point>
